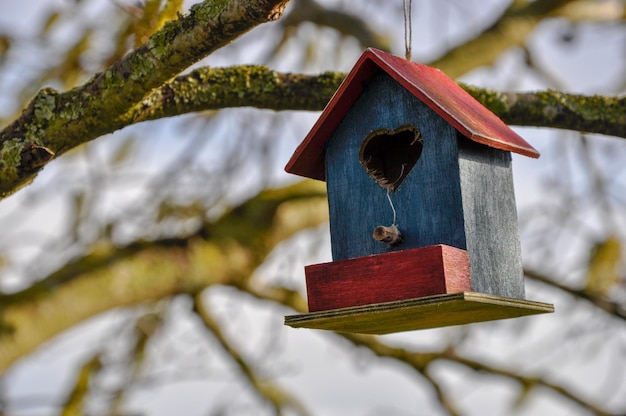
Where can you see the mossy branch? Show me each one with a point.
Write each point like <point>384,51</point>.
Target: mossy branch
<point>260,87</point>
<point>55,122</point>
<point>237,86</point>
<point>549,108</point>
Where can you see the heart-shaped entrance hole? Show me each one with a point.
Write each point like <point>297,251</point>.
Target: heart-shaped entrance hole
<point>389,155</point>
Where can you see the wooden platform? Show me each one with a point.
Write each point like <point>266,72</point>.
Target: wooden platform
<point>421,313</point>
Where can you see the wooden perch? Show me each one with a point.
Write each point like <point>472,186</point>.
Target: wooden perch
<point>390,235</point>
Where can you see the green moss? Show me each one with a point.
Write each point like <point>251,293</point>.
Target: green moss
<point>44,103</point>
<point>45,109</point>
<point>158,47</point>
<point>11,153</point>
<point>590,108</point>
<point>35,131</point>
<point>209,10</point>
<point>160,43</point>
<point>497,102</point>
<point>141,65</point>
<point>595,108</point>
<point>112,80</point>
<point>11,177</point>
<point>71,110</point>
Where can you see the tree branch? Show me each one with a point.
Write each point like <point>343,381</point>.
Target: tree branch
<point>510,29</point>
<point>600,302</point>
<point>592,114</point>
<point>347,24</point>
<point>56,122</point>
<point>274,395</point>
<point>237,86</point>
<point>528,383</point>
<point>420,361</point>
<point>260,87</point>
<point>76,401</point>
<point>219,253</point>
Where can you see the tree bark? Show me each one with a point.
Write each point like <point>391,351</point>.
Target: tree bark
<point>260,87</point>
<point>55,122</point>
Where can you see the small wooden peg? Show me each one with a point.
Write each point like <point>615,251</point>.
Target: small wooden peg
<point>390,235</point>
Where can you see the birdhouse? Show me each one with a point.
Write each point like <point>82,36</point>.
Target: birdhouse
<point>422,209</point>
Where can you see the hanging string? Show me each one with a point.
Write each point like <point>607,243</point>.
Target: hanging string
<point>408,28</point>
<point>392,208</point>
<point>389,195</point>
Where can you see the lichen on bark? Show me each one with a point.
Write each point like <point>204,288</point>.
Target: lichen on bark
<point>595,114</point>
<point>240,86</point>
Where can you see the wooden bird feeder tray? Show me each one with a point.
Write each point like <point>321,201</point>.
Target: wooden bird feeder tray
<point>420,313</point>
<point>427,287</point>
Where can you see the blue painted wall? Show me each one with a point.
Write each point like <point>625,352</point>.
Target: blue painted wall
<point>428,203</point>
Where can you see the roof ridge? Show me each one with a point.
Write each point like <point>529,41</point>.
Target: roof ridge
<point>430,85</point>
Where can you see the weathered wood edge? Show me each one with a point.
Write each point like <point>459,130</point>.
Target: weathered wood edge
<point>336,319</point>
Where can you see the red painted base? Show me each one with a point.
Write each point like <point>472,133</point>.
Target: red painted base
<point>399,275</point>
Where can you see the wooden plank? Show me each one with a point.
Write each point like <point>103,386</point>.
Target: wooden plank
<point>490,216</point>
<point>423,313</point>
<point>425,271</point>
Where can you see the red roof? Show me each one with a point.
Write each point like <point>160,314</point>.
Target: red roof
<point>429,85</point>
